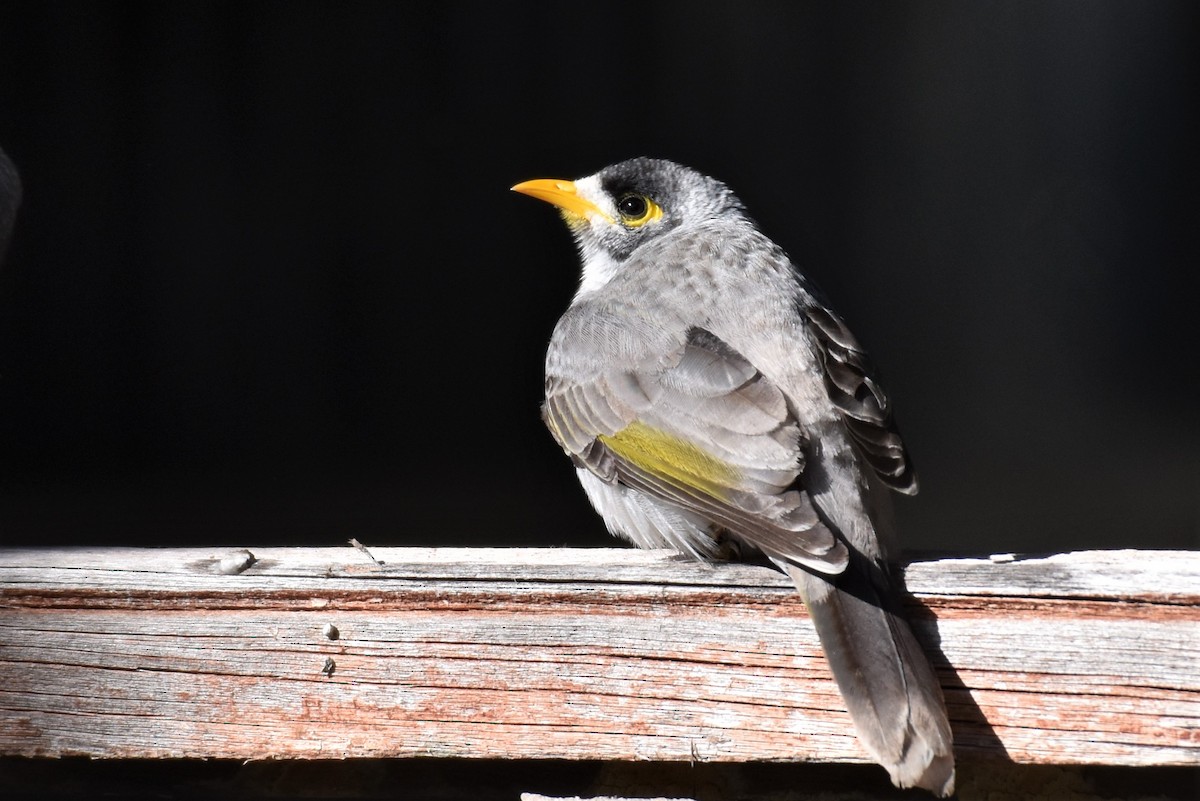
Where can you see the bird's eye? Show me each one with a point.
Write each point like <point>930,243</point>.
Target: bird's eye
<point>632,206</point>
<point>637,210</point>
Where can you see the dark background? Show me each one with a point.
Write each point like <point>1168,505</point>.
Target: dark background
<point>268,284</point>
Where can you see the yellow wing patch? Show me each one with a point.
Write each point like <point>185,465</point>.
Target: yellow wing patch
<point>663,454</point>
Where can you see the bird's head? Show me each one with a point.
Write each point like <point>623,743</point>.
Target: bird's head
<point>627,205</point>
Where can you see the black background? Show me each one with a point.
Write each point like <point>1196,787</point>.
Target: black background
<point>268,284</point>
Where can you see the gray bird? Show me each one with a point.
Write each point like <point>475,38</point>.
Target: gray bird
<point>712,401</point>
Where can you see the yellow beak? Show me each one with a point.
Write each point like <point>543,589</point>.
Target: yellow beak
<point>562,194</point>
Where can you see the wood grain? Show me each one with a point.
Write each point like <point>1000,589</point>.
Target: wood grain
<point>1081,658</point>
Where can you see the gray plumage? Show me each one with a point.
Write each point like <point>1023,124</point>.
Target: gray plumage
<point>706,393</point>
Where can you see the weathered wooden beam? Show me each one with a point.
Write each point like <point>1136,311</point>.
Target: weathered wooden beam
<point>1080,658</point>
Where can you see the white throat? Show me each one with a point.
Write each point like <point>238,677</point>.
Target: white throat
<point>598,269</point>
<point>598,266</point>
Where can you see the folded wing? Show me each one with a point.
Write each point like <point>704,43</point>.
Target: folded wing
<point>702,429</point>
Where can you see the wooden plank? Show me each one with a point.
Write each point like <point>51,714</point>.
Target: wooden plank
<point>1082,658</point>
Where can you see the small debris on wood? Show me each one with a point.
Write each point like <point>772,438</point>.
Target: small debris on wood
<point>331,631</point>
<point>236,562</point>
<point>358,545</point>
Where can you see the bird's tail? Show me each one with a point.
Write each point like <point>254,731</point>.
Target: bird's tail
<point>893,696</point>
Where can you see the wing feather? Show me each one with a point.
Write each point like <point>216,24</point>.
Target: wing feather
<point>738,445</point>
<point>865,407</point>
<point>789,530</point>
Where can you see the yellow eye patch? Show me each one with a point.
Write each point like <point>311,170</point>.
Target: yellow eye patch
<point>637,210</point>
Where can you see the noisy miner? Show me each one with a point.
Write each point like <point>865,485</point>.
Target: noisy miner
<point>711,400</point>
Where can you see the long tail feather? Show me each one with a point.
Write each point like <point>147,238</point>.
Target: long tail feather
<point>893,696</point>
